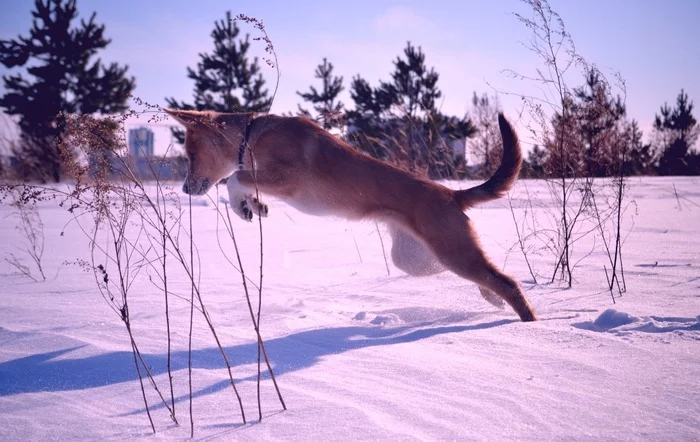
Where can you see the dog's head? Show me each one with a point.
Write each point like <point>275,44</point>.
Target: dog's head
<point>211,143</point>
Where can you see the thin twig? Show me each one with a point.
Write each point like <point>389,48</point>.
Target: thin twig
<point>520,240</point>
<point>381,241</point>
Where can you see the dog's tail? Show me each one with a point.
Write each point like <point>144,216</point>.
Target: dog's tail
<point>505,175</point>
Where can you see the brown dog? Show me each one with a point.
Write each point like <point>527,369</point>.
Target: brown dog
<point>294,159</point>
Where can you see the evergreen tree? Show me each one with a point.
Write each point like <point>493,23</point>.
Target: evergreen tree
<point>676,131</point>
<point>486,145</point>
<point>598,116</point>
<point>365,123</point>
<point>226,80</point>
<point>536,161</point>
<point>413,88</point>
<point>591,131</point>
<point>565,149</point>
<point>324,102</point>
<point>399,121</point>
<point>640,157</point>
<point>66,79</point>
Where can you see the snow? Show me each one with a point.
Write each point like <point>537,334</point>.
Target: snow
<point>360,354</point>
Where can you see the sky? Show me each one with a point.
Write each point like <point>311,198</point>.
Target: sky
<point>652,44</point>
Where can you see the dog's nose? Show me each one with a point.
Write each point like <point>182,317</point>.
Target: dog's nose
<point>196,186</point>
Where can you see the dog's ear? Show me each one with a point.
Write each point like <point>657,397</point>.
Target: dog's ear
<point>187,118</point>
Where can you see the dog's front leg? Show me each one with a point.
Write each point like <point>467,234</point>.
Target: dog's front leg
<point>243,201</point>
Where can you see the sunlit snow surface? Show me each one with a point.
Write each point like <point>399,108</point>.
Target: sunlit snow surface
<point>360,354</point>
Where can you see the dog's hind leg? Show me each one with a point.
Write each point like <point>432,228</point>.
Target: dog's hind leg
<point>506,287</point>
<point>491,297</point>
<point>488,277</point>
<point>462,254</point>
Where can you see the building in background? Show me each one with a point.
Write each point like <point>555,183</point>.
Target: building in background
<point>141,142</point>
<point>139,163</point>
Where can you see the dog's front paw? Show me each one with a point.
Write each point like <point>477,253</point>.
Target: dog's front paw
<point>243,210</point>
<point>260,208</point>
<point>246,212</point>
<point>247,206</point>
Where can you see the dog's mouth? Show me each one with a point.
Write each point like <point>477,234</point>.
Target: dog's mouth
<point>196,186</point>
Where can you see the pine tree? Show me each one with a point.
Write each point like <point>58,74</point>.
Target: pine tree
<point>413,88</point>
<point>226,80</point>
<point>598,116</point>
<point>399,120</point>
<point>328,110</point>
<point>565,150</point>
<point>536,161</point>
<point>591,130</point>
<point>486,145</point>
<point>66,80</point>
<point>365,98</point>
<point>676,131</point>
<point>640,157</point>
<point>365,123</point>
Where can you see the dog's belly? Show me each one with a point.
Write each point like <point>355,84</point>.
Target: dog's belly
<point>407,253</point>
<point>321,204</point>
<point>410,255</point>
<point>313,205</point>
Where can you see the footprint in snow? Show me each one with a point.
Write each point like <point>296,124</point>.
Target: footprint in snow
<point>614,321</point>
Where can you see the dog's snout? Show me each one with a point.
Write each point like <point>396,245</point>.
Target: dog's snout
<point>196,186</point>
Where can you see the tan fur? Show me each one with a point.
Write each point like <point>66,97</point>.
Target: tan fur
<point>317,173</point>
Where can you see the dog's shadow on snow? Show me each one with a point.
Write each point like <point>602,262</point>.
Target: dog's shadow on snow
<point>56,371</point>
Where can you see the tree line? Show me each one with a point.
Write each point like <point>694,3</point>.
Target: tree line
<point>397,120</point>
